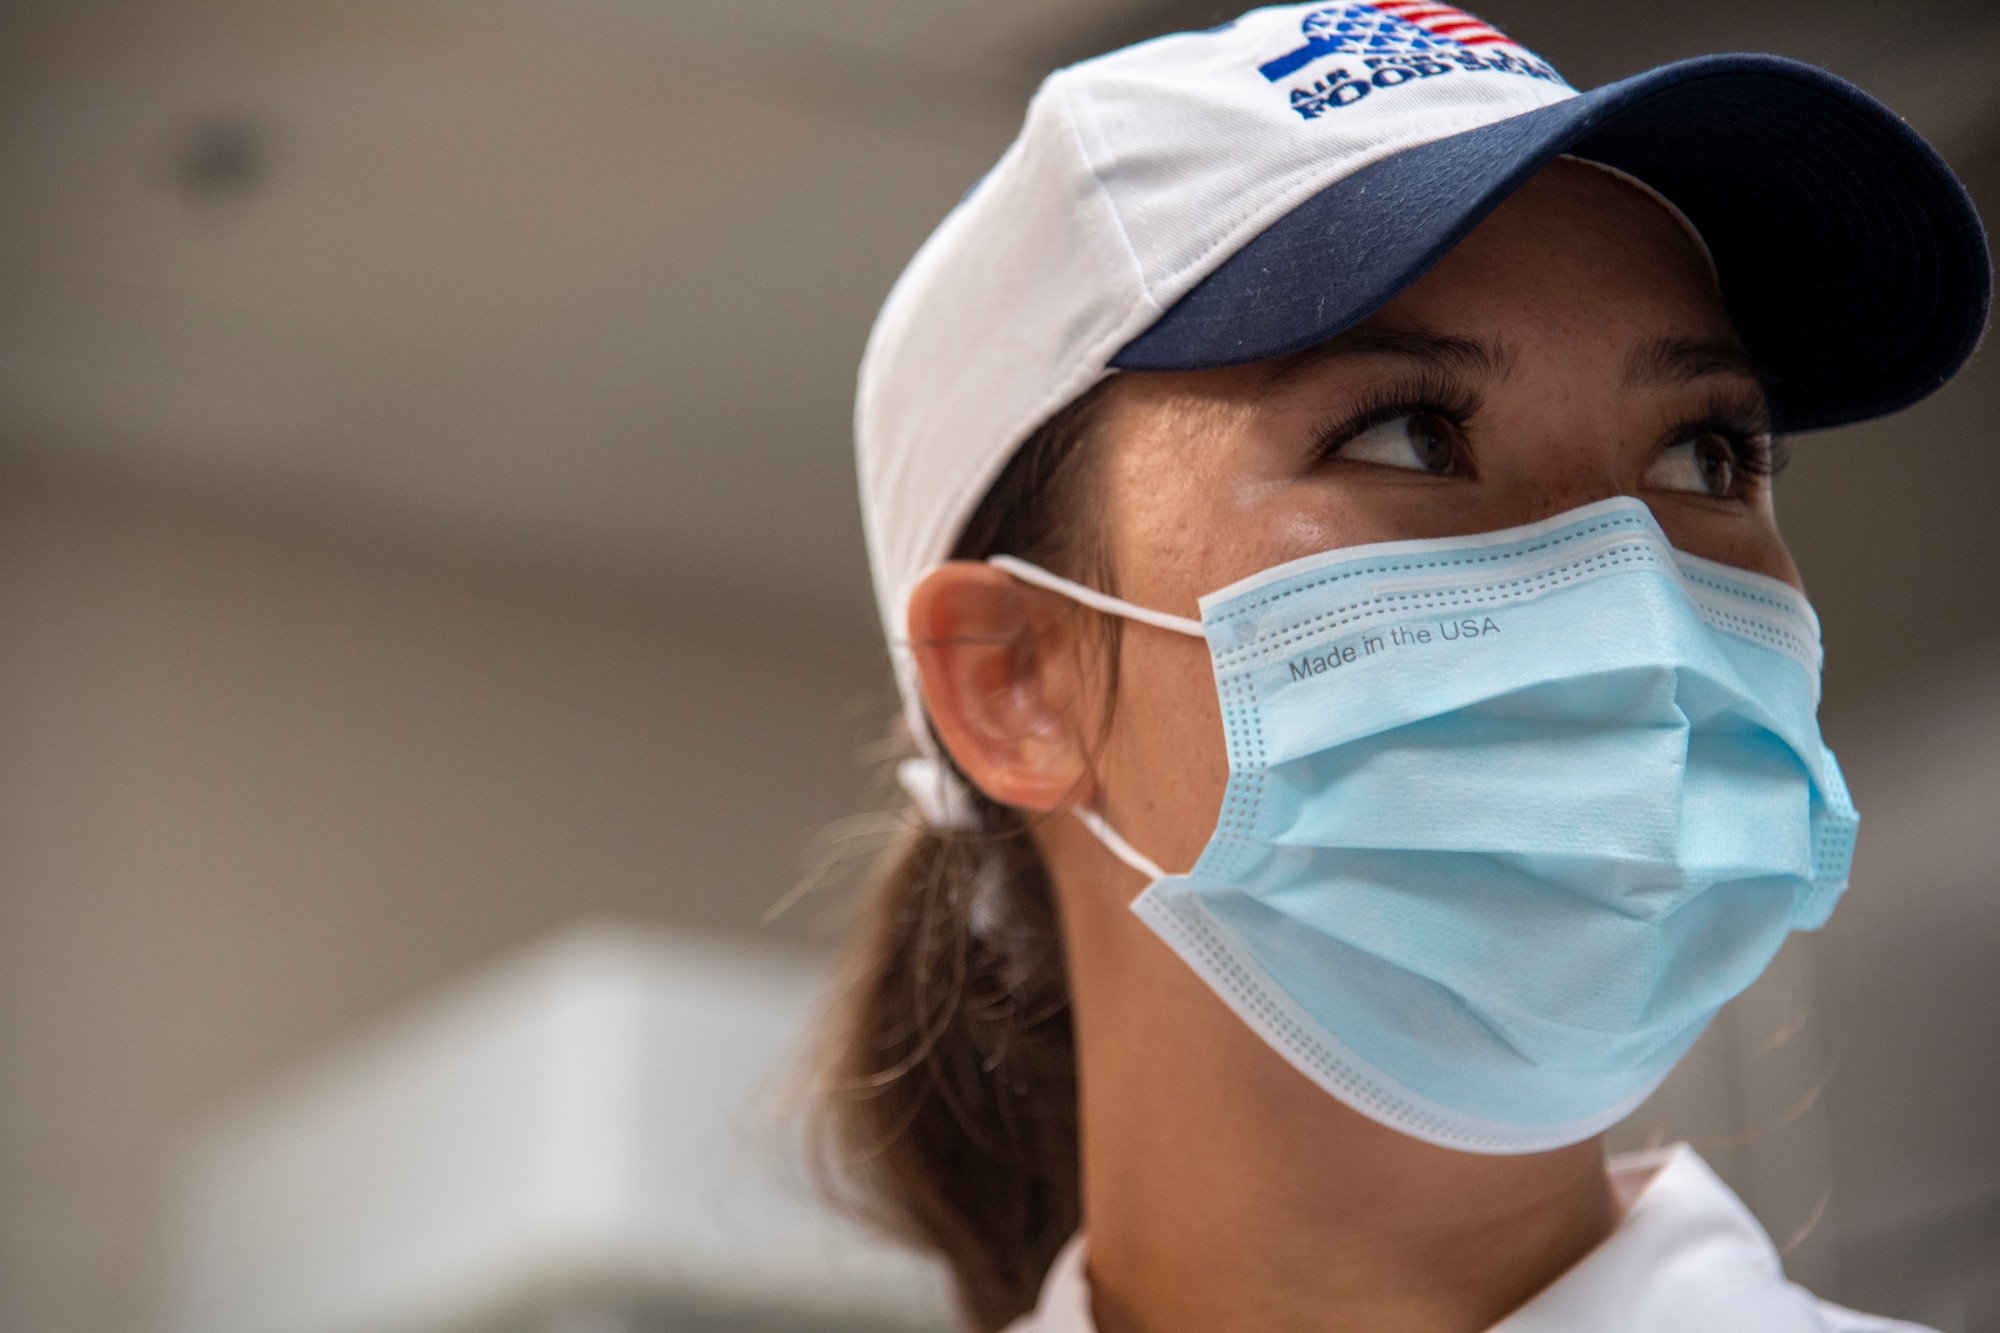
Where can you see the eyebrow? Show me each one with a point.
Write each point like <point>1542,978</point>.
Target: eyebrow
<point>1445,350</point>
<point>1680,360</point>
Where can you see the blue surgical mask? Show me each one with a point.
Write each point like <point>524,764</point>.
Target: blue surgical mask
<point>1509,817</point>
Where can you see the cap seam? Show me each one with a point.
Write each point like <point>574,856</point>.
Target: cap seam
<point>1071,122</point>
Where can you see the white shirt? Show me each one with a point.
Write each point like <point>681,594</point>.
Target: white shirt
<point>1687,1258</point>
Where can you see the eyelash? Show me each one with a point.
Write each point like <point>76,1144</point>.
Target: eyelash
<point>1427,394</point>
<point>1758,450</point>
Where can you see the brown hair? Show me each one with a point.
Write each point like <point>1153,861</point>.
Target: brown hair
<point>949,1115</point>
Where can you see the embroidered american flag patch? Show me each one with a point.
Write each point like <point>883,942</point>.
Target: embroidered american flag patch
<point>1386,28</point>
<point>1392,43</point>
<point>1453,25</point>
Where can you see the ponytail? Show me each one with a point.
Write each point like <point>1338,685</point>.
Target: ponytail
<point>949,1114</point>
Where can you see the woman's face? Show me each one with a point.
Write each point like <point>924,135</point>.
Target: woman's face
<point>1572,348</point>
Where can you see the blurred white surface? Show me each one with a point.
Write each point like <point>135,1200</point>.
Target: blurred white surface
<point>596,1122</point>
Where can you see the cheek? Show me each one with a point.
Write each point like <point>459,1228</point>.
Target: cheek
<point>1748,541</point>
<point>1165,764</point>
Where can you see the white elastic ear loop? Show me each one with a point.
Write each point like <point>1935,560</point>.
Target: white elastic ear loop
<point>1095,600</point>
<point>1113,841</point>
<point>1116,844</point>
<point>937,793</point>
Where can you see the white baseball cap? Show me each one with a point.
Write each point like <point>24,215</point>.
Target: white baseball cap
<point>1213,198</point>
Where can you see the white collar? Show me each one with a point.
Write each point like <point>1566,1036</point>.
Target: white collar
<point>1687,1256</point>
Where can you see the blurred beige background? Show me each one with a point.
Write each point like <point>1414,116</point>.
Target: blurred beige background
<point>426,517</point>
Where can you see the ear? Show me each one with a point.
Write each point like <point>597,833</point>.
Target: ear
<point>1003,682</point>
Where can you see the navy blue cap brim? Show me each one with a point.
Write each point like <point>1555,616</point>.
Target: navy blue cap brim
<point>1851,258</point>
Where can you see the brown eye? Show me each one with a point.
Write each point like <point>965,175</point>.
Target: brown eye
<point>1419,442</point>
<point>1704,464</point>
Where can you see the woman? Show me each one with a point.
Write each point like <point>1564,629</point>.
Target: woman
<point>1318,488</point>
